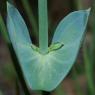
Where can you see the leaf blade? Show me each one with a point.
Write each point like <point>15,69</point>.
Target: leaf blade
<point>20,29</point>
<point>44,72</point>
<point>70,26</point>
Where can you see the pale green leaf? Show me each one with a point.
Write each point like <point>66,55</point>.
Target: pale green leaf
<point>17,26</point>
<point>46,71</point>
<point>72,27</point>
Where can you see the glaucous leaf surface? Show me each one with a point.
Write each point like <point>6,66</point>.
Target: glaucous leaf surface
<point>46,71</point>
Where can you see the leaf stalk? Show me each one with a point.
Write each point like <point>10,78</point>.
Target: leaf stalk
<point>43,26</point>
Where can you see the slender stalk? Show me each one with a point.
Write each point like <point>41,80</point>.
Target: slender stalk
<point>30,16</point>
<point>43,26</point>
<point>76,83</point>
<point>93,32</point>
<point>89,71</point>
<point>1,92</point>
<point>87,60</point>
<point>79,4</point>
<point>3,30</point>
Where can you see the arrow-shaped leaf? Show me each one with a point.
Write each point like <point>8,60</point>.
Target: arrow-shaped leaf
<point>46,71</point>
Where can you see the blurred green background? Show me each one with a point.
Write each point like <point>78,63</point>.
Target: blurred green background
<point>81,79</point>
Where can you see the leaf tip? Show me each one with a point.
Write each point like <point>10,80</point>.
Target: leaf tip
<point>9,5</point>
<point>88,10</point>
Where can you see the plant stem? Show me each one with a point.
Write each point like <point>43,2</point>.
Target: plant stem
<point>88,59</point>
<point>89,71</point>
<point>30,16</point>
<point>79,4</point>
<point>93,32</point>
<point>76,82</point>
<point>43,26</point>
<point>3,30</point>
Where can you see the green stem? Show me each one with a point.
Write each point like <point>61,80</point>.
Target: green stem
<point>3,30</point>
<point>1,93</point>
<point>76,82</point>
<point>88,70</point>
<point>30,16</point>
<point>43,26</point>
<point>79,4</point>
<point>93,32</point>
